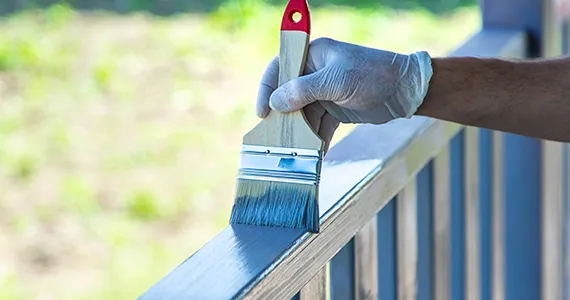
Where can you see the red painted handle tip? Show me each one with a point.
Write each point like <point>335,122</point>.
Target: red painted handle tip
<point>297,17</point>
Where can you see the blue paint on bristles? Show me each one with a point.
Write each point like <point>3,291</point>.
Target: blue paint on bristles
<point>280,204</point>
<point>278,182</point>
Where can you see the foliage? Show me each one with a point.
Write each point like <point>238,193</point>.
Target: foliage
<point>119,135</point>
<point>179,6</point>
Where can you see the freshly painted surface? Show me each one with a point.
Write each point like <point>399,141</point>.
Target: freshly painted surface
<point>225,265</point>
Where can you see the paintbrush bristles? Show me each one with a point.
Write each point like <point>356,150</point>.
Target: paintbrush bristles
<point>271,203</point>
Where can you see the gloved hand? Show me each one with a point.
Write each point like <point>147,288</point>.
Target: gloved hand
<point>348,83</point>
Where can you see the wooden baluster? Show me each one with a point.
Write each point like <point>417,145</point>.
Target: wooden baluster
<point>366,261</point>
<point>485,215</point>
<point>457,215</point>
<point>341,269</point>
<point>387,252</point>
<point>472,234</point>
<point>407,242</point>
<point>498,285</point>
<point>552,216</point>
<point>425,182</point>
<point>316,289</point>
<point>566,223</point>
<point>441,222</point>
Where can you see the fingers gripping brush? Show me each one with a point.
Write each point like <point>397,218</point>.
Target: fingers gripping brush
<point>280,160</point>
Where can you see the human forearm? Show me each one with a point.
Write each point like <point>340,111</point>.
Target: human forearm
<point>355,84</point>
<point>524,97</point>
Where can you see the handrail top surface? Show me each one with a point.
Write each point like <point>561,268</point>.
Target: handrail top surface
<point>359,176</point>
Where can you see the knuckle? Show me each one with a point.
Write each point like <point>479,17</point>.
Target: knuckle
<point>322,42</point>
<point>273,65</point>
<point>274,62</point>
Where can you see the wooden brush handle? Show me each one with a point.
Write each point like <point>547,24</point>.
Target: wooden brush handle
<point>289,129</point>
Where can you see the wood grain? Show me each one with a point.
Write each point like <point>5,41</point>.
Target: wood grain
<point>552,220</point>
<point>366,261</point>
<point>472,224</point>
<point>441,220</point>
<point>407,242</point>
<point>552,176</point>
<point>498,284</point>
<point>316,289</point>
<point>287,129</point>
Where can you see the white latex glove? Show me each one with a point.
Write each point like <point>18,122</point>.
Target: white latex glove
<point>354,84</point>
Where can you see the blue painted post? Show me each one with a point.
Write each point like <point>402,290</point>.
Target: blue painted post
<point>522,162</point>
<point>522,171</point>
<point>387,252</point>
<point>342,273</point>
<point>425,232</point>
<point>516,14</point>
<point>485,210</point>
<point>457,209</point>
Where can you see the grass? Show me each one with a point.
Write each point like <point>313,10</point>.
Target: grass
<point>119,135</point>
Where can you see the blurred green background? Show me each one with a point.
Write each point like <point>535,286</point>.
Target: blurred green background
<point>121,121</point>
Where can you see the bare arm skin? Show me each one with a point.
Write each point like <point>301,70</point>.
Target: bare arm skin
<point>530,97</point>
<point>355,84</point>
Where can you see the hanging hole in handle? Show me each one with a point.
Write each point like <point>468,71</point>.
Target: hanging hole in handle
<point>296,17</point>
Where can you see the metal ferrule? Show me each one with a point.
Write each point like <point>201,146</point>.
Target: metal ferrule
<point>281,164</point>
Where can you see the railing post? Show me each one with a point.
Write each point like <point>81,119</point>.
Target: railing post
<point>552,221</point>
<point>457,218</point>
<point>566,223</point>
<point>498,220</point>
<point>441,226</point>
<point>341,269</point>
<point>529,266</point>
<point>366,261</point>
<point>316,289</point>
<point>407,241</point>
<point>472,217</point>
<point>387,252</point>
<point>425,232</point>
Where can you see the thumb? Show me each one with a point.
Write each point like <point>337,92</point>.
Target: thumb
<point>298,93</point>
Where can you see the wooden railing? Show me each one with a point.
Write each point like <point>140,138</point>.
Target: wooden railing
<point>415,209</point>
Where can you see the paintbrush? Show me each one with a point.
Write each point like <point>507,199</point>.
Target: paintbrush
<point>280,159</point>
